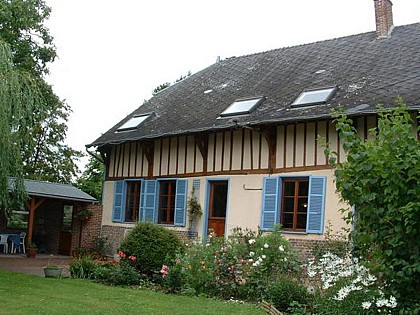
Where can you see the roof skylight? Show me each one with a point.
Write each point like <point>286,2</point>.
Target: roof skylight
<point>242,106</point>
<point>314,97</point>
<point>133,123</point>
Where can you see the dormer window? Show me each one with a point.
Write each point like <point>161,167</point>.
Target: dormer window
<point>133,122</point>
<point>314,97</point>
<point>242,106</point>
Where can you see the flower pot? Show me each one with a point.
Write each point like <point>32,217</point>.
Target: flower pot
<point>53,272</point>
<point>192,233</point>
<point>31,252</point>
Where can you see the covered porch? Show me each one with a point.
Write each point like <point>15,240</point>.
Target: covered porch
<point>50,218</point>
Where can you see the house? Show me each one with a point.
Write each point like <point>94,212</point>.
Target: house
<point>49,218</point>
<point>244,132</point>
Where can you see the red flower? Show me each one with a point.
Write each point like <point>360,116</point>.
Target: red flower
<point>121,254</point>
<point>164,271</point>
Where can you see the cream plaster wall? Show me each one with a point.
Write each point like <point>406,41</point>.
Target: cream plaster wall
<point>244,203</point>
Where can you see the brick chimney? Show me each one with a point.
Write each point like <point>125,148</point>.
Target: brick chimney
<point>383,17</point>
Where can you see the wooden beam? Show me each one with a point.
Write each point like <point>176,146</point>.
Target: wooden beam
<point>202,143</point>
<point>270,135</point>
<point>32,206</point>
<point>148,149</point>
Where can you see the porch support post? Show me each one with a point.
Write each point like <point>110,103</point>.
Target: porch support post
<point>32,206</point>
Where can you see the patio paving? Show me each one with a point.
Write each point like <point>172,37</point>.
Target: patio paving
<point>34,266</point>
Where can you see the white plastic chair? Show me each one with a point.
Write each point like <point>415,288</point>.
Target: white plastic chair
<point>3,241</point>
<point>22,242</point>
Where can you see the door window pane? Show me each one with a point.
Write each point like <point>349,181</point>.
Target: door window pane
<point>219,195</point>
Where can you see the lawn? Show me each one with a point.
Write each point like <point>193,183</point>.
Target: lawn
<point>27,294</point>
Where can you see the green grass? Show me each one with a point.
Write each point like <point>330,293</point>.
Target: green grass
<point>27,294</point>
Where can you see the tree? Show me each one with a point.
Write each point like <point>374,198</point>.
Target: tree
<point>381,178</point>
<point>50,159</point>
<point>20,97</point>
<point>165,85</point>
<point>22,27</point>
<point>92,178</point>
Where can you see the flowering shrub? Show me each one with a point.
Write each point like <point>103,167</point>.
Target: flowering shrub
<point>347,287</point>
<point>240,267</point>
<point>107,271</point>
<point>150,246</point>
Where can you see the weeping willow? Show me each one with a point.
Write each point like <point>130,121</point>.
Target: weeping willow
<point>20,100</point>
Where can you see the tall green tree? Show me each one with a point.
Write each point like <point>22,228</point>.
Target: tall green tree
<point>381,178</point>
<point>22,27</point>
<point>92,178</point>
<point>20,97</point>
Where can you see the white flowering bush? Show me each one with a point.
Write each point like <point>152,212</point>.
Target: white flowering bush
<point>347,287</point>
<point>241,267</point>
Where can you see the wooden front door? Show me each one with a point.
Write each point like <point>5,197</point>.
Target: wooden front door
<point>217,207</point>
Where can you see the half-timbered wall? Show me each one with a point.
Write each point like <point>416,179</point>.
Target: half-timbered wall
<point>127,160</point>
<point>298,146</point>
<point>237,150</point>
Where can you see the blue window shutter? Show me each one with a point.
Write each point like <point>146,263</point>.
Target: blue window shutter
<point>119,202</point>
<point>316,204</point>
<point>142,200</point>
<point>270,204</point>
<point>148,201</point>
<point>180,202</point>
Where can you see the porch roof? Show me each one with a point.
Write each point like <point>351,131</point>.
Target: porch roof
<point>56,191</point>
<point>36,188</point>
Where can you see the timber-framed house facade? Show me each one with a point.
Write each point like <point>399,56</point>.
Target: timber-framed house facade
<point>246,135</point>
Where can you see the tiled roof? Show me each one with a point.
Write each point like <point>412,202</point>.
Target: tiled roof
<point>367,71</point>
<point>55,191</point>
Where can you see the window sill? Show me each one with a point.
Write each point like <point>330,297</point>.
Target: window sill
<point>294,232</point>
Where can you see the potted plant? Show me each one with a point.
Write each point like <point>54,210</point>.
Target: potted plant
<point>194,212</point>
<point>31,250</point>
<point>52,271</point>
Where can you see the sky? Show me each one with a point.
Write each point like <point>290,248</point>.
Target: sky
<point>113,53</point>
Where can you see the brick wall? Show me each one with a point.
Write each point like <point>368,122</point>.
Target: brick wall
<point>85,233</point>
<point>114,235</point>
<point>304,247</point>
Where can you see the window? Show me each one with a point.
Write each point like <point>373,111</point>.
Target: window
<point>156,201</point>
<point>241,107</point>
<point>314,97</point>
<point>132,123</point>
<point>296,203</point>
<point>132,201</point>
<point>166,210</point>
